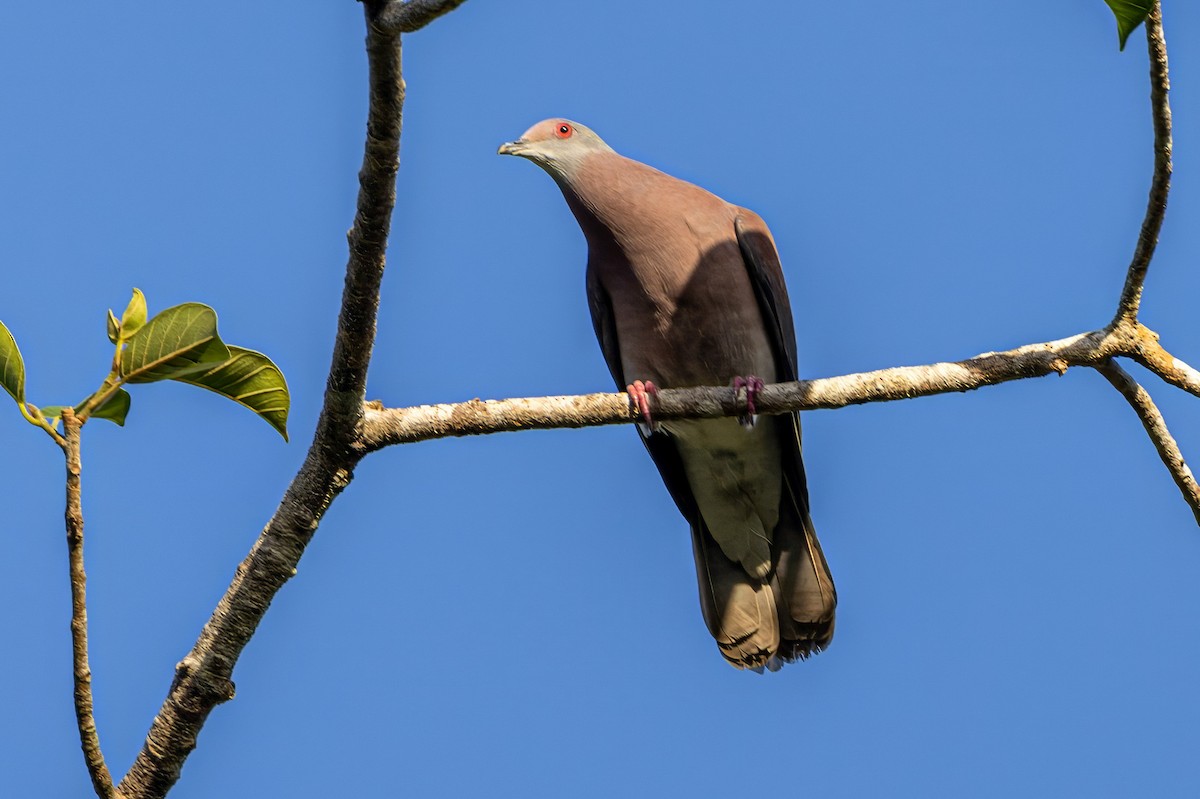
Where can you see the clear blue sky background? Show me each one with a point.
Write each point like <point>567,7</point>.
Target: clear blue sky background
<point>517,615</point>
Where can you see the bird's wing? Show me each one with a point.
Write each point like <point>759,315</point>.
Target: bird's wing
<point>605,325</point>
<point>766,276</point>
<point>802,577</point>
<point>661,447</point>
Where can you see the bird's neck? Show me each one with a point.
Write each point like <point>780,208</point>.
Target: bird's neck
<point>606,192</point>
<point>597,230</point>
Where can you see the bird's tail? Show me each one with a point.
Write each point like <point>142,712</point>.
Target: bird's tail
<point>787,617</point>
<point>802,584</point>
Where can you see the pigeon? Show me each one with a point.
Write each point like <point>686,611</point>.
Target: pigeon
<point>686,289</point>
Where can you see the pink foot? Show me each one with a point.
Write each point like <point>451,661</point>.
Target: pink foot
<point>639,395</point>
<point>752,385</point>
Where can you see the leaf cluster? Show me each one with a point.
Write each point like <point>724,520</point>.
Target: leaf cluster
<point>180,343</point>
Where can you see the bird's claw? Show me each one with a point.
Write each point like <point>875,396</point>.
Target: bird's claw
<point>639,392</point>
<point>752,385</point>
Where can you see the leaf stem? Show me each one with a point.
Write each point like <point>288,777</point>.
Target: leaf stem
<point>108,389</point>
<point>35,418</point>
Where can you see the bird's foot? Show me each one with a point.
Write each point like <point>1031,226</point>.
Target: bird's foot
<point>639,396</point>
<point>752,385</point>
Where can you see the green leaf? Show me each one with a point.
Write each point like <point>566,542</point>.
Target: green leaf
<point>1129,14</point>
<point>114,327</point>
<point>114,410</point>
<point>52,413</point>
<point>12,366</point>
<point>176,341</point>
<point>134,316</point>
<point>251,379</point>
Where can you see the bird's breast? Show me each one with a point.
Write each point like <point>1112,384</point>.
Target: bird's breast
<point>687,316</point>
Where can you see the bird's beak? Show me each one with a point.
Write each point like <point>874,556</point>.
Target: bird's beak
<point>511,148</point>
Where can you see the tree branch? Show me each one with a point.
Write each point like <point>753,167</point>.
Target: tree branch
<point>1160,185</point>
<point>395,17</point>
<point>1156,428</point>
<point>89,738</point>
<point>384,427</point>
<point>202,678</point>
<point>1151,355</point>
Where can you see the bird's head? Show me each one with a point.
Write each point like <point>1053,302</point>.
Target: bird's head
<point>557,146</point>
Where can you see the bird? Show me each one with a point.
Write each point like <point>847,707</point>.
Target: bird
<point>686,289</point>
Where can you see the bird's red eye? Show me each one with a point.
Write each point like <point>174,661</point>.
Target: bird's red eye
<point>563,131</point>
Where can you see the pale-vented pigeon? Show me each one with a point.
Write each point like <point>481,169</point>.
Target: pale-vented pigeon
<point>686,290</point>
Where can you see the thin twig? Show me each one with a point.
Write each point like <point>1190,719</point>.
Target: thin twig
<point>1160,185</point>
<point>203,677</point>
<point>89,739</point>
<point>1156,428</point>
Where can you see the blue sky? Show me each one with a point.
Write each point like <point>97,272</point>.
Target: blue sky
<point>517,615</point>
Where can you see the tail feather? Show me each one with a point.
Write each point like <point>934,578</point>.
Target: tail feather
<point>739,610</point>
<point>804,586</point>
<point>785,618</point>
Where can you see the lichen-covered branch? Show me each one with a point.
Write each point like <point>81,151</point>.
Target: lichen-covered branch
<point>1156,428</point>
<point>1151,355</point>
<point>203,677</point>
<point>1160,185</point>
<point>89,738</point>
<point>383,427</point>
